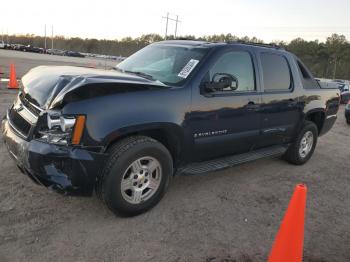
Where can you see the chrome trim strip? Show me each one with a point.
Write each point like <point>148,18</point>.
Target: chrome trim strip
<point>331,116</point>
<point>20,98</point>
<point>32,121</point>
<point>26,108</point>
<point>40,109</point>
<point>29,116</point>
<point>12,154</point>
<point>30,112</point>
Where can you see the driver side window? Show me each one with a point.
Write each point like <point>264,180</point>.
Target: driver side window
<point>237,64</point>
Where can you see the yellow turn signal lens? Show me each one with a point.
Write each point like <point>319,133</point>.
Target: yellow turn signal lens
<point>78,130</point>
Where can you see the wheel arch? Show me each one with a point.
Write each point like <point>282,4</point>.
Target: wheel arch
<point>317,116</point>
<point>168,134</point>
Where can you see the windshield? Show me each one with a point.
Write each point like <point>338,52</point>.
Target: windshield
<point>168,64</point>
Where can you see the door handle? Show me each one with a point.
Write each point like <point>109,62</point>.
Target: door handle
<point>252,106</point>
<point>292,102</point>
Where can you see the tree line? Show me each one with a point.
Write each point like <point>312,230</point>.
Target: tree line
<point>329,59</point>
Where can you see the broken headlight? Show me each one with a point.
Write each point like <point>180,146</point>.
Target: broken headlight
<point>62,130</point>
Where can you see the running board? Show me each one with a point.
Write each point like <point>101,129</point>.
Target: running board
<point>230,161</point>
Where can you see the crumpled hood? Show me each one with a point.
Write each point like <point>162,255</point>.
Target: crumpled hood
<point>48,85</point>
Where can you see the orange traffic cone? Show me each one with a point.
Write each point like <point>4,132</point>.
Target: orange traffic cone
<point>13,84</point>
<point>288,245</point>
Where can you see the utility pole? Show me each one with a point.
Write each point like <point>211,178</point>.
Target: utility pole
<point>167,23</point>
<point>177,21</point>
<point>7,36</point>
<point>45,39</point>
<point>166,26</point>
<point>52,37</point>
<point>2,35</point>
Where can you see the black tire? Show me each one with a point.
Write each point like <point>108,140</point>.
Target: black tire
<point>121,156</point>
<point>348,121</point>
<point>292,155</point>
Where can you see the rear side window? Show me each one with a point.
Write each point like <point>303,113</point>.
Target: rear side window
<point>276,72</point>
<point>308,81</point>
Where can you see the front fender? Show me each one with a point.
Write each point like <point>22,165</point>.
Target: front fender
<point>174,131</point>
<point>110,117</point>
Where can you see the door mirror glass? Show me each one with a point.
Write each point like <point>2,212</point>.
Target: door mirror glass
<point>222,82</point>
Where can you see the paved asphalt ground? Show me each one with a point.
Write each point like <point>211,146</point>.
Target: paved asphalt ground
<point>25,61</point>
<point>230,215</point>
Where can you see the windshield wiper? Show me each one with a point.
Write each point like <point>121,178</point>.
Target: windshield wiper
<point>144,75</point>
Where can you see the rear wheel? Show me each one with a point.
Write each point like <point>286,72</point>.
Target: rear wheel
<point>302,149</point>
<point>136,175</point>
<point>348,121</point>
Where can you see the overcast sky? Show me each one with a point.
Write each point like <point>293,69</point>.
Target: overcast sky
<point>114,19</point>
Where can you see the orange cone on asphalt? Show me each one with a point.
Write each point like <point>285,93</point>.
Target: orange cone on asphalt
<point>13,84</point>
<point>288,245</point>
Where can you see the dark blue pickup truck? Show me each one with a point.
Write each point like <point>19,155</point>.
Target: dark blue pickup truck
<point>174,107</point>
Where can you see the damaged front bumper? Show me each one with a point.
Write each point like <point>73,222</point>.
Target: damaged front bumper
<point>68,170</point>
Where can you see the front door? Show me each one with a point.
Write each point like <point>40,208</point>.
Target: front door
<point>225,121</point>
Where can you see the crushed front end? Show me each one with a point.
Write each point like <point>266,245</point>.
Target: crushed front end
<point>46,147</point>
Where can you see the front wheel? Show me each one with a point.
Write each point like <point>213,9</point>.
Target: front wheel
<point>136,175</point>
<point>303,147</point>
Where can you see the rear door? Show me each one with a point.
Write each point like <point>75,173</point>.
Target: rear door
<point>280,107</point>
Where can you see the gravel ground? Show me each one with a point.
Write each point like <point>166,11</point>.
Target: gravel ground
<point>230,215</point>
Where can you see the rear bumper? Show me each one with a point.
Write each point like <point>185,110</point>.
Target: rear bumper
<point>67,170</point>
<point>328,124</point>
<point>344,98</point>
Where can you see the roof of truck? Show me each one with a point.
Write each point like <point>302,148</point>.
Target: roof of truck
<point>211,44</point>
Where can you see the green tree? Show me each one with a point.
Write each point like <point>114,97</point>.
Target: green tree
<point>330,59</point>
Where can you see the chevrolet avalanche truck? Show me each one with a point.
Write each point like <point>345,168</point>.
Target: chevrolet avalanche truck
<point>174,107</point>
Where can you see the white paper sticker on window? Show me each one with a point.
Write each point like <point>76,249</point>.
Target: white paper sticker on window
<point>188,68</point>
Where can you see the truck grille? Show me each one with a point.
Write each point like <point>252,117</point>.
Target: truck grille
<point>29,105</point>
<point>19,123</point>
